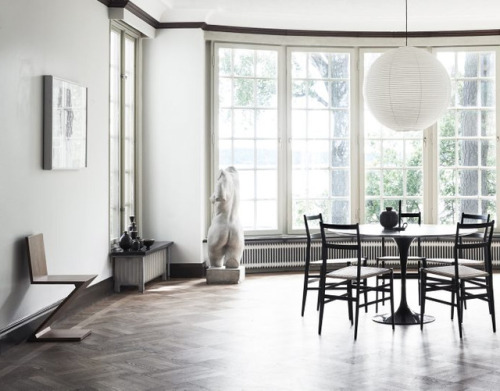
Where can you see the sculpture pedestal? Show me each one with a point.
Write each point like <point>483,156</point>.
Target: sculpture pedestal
<point>221,275</point>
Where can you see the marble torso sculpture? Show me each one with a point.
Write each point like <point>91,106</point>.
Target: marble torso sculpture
<point>225,235</point>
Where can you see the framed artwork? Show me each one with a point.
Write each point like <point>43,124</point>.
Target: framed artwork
<point>64,124</point>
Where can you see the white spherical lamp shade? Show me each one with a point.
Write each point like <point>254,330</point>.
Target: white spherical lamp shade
<point>407,89</point>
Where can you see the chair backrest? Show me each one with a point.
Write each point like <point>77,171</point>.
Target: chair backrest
<point>470,218</point>
<point>413,216</point>
<point>36,256</point>
<point>346,233</point>
<point>312,218</point>
<point>475,217</point>
<point>479,242</point>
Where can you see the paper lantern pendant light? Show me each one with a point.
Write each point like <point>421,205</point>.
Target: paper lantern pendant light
<point>407,89</point>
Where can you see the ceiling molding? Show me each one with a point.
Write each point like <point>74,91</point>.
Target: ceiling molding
<point>324,33</point>
<point>144,16</point>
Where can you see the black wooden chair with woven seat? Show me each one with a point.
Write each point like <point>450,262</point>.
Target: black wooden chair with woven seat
<point>462,281</point>
<point>409,218</point>
<point>349,283</point>
<point>312,267</point>
<point>466,218</point>
<point>39,275</point>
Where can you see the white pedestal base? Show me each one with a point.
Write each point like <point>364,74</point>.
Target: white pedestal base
<point>221,275</point>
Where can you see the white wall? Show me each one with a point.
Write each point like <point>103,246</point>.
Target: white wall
<point>174,140</point>
<point>68,39</point>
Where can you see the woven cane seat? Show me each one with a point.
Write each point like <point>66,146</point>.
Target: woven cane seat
<point>351,272</point>
<point>464,272</point>
<point>451,261</point>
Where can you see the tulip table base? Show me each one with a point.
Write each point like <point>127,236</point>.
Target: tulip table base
<point>403,316</point>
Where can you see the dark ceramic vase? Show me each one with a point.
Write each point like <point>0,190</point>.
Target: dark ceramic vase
<point>133,224</point>
<point>389,218</point>
<point>125,241</point>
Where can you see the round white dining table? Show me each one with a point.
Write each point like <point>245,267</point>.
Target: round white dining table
<point>404,315</point>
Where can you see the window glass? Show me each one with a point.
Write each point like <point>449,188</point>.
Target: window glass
<point>320,136</point>
<point>122,127</point>
<point>247,127</point>
<point>466,137</point>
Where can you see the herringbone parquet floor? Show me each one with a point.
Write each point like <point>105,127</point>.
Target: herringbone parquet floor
<point>186,335</point>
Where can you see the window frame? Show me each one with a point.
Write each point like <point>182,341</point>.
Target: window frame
<point>131,201</point>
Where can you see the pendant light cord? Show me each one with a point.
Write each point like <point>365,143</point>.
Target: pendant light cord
<point>406,18</point>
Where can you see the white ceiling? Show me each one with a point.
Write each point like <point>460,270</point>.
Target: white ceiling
<point>332,15</point>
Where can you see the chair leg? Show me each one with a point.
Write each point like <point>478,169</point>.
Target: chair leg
<point>349,301</point>
<point>321,295</point>
<point>462,287</point>
<point>418,276</point>
<point>452,304</point>
<point>366,295</point>
<point>356,313</point>
<point>383,282</point>
<point>491,301</point>
<point>321,309</point>
<point>422,298</point>
<point>456,288</point>
<point>392,299</point>
<point>304,292</point>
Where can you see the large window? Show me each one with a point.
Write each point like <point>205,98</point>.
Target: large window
<point>467,136</point>
<point>293,122</point>
<point>248,130</point>
<point>320,135</point>
<point>122,128</point>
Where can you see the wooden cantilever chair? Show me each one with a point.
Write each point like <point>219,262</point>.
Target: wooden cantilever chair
<point>39,275</point>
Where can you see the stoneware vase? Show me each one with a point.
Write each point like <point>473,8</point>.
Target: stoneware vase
<point>389,218</point>
<point>125,241</point>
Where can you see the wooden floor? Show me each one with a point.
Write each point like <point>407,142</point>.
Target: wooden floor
<point>186,335</point>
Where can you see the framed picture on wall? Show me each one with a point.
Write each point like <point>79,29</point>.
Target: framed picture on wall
<point>64,124</point>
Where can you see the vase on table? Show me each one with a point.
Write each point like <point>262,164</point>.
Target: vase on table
<point>133,225</point>
<point>125,241</point>
<point>389,218</point>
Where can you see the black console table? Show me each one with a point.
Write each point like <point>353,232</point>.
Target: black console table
<point>139,267</point>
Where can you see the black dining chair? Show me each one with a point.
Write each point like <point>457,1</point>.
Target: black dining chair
<point>409,218</point>
<point>349,283</point>
<point>462,281</point>
<point>466,218</point>
<point>312,266</point>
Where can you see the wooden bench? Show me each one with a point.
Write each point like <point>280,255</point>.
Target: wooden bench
<point>39,275</point>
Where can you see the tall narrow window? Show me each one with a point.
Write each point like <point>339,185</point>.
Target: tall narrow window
<point>320,136</point>
<point>393,165</point>
<point>247,123</point>
<point>122,128</point>
<point>466,137</point>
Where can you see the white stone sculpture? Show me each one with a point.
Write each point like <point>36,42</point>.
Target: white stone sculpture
<point>225,236</point>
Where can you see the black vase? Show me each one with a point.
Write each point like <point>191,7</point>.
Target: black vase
<point>125,241</point>
<point>389,218</point>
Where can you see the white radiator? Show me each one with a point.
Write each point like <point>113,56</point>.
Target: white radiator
<point>292,254</point>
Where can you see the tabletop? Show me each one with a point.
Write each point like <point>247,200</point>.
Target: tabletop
<point>412,230</point>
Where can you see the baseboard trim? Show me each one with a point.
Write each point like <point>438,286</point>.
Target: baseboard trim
<point>188,270</point>
<point>21,330</point>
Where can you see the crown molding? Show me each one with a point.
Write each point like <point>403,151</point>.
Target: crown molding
<point>144,16</point>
